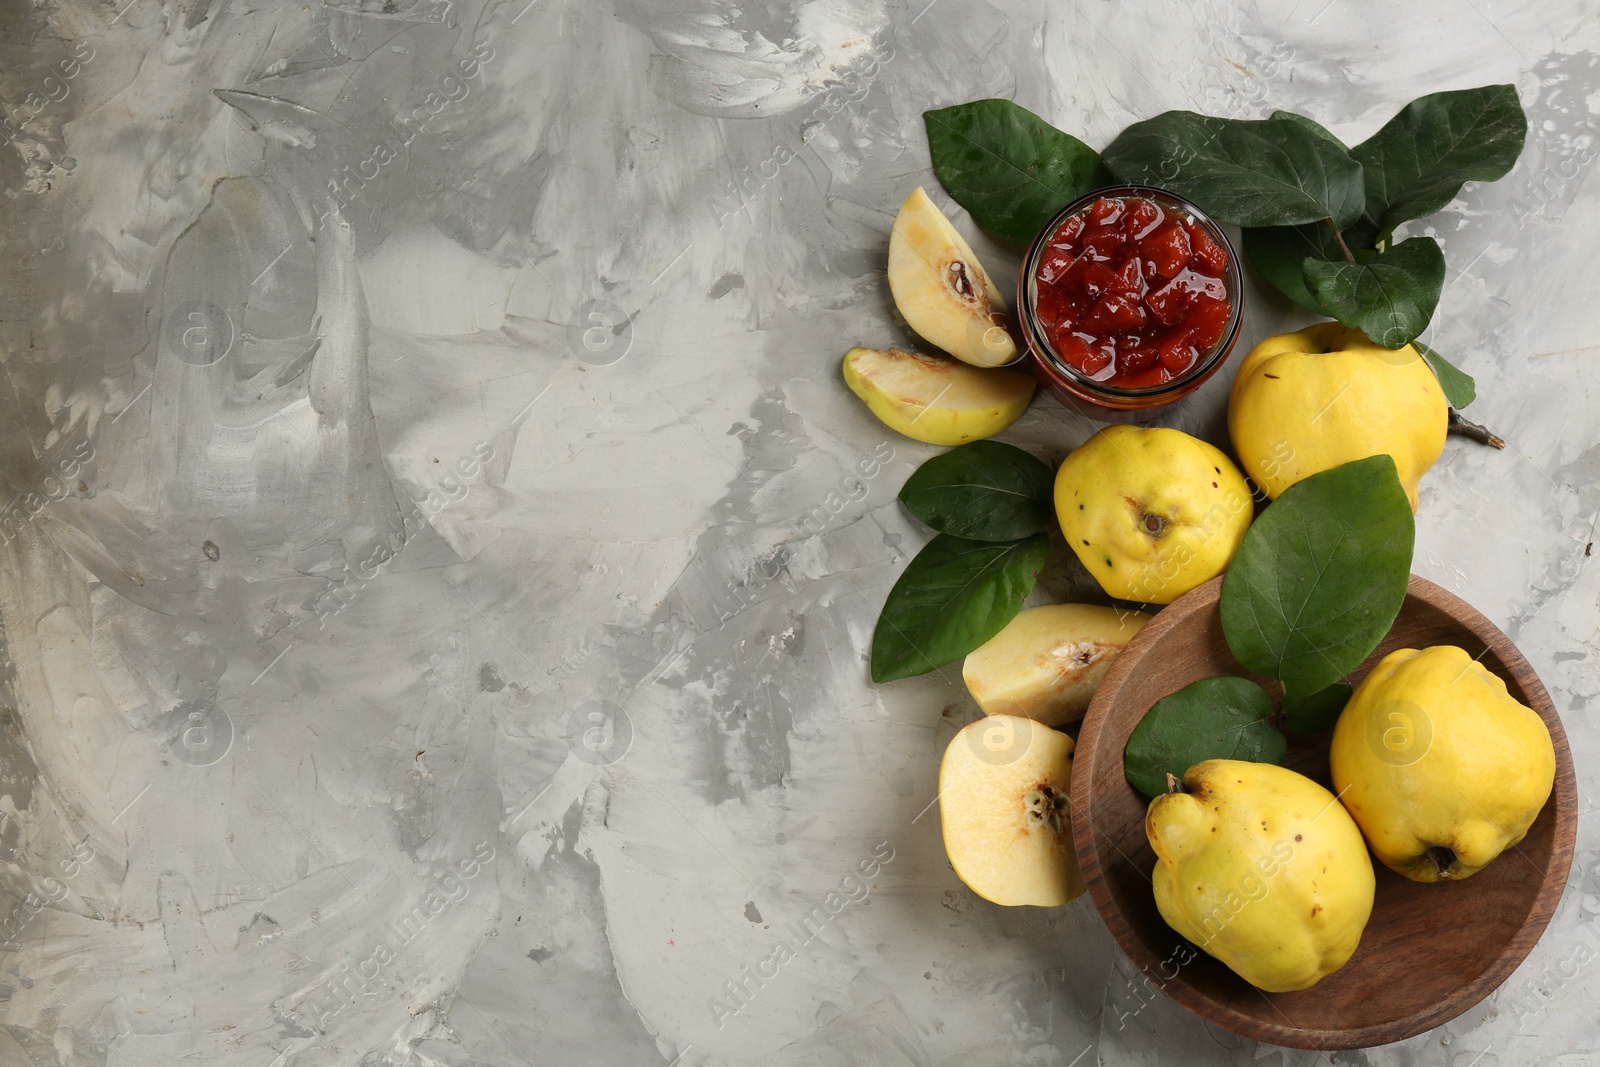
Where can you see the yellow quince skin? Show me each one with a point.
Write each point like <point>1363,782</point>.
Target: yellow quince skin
<point>1260,867</point>
<point>1309,401</point>
<point>934,399</point>
<point>1151,513</point>
<point>1439,765</point>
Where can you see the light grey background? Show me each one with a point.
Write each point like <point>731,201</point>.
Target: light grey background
<point>441,553</point>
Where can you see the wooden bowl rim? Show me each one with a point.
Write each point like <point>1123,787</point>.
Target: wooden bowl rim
<point>1564,795</point>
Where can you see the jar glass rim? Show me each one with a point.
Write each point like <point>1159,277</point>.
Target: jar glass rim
<point>1028,296</point>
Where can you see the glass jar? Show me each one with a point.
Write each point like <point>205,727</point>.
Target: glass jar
<point>1094,396</point>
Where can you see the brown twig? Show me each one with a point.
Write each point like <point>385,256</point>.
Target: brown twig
<point>1349,257</point>
<point>1462,426</point>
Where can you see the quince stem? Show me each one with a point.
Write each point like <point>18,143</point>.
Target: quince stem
<point>1462,426</point>
<point>1349,257</point>
<point>1174,783</point>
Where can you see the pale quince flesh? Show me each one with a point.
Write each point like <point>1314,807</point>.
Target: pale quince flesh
<point>1003,790</point>
<point>1047,662</point>
<point>941,288</point>
<point>933,399</point>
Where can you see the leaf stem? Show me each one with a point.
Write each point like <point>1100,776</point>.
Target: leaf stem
<point>1349,257</point>
<point>1461,426</point>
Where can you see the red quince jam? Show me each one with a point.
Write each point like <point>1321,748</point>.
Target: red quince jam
<point>1130,295</point>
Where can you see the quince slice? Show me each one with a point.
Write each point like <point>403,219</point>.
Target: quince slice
<point>933,399</point>
<point>942,290</point>
<point>1048,661</point>
<point>1004,785</point>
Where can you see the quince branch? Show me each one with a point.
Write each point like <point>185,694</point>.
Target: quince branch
<point>1349,257</point>
<point>1461,426</point>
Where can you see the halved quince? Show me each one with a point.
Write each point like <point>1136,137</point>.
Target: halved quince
<point>1003,791</point>
<point>1048,661</point>
<point>933,399</point>
<point>942,290</point>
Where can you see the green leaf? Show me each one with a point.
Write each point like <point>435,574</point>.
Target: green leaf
<point>1009,168</point>
<point>1422,157</point>
<point>1320,576</point>
<point>986,491</point>
<point>1266,172</point>
<point>1279,254</point>
<point>952,598</point>
<point>1316,713</point>
<point>1459,388</point>
<point>1214,718</point>
<point>1390,297</point>
<point>1313,125</point>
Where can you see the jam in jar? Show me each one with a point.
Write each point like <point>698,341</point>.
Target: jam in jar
<point>1129,299</point>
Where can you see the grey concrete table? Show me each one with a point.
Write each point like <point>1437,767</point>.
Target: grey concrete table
<point>440,553</point>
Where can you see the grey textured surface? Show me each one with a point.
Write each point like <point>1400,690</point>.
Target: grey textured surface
<point>440,552</point>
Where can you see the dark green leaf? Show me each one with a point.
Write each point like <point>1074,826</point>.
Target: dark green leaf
<point>952,598</point>
<point>1279,253</point>
<point>1311,715</point>
<point>1011,169</point>
<point>1266,172</point>
<point>1214,718</point>
<point>1390,297</point>
<point>1418,162</point>
<point>1458,386</point>
<point>1320,576</point>
<point>1362,238</point>
<point>1311,124</point>
<point>986,491</point>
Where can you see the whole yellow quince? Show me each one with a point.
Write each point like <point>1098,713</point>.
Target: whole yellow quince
<point>1152,513</point>
<point>1260,867</point>
<point>1440,766</point>
<point>1306,402</point>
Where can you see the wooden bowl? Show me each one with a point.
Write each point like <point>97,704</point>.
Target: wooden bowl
<point>1429,952</point>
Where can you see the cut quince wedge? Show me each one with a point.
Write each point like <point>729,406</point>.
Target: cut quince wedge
<point>1004,785</point>
<point>942,290</point>
<point>1048,661</point>
<point>933,399</point>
